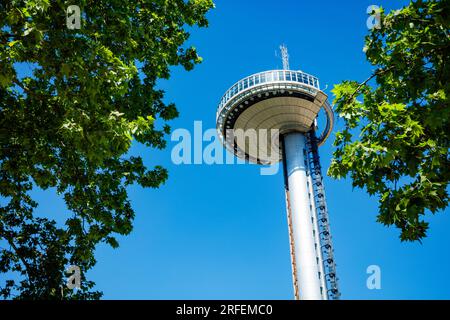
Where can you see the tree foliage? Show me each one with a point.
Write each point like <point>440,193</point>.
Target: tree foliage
<point>69,121</point>
<point>395,140</point>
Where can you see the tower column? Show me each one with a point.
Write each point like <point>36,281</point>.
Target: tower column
<point>301,221</point>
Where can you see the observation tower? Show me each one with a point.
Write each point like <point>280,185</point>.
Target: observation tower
<point>288,103</point>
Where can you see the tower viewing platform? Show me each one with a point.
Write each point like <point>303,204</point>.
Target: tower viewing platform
<point>286,100</point>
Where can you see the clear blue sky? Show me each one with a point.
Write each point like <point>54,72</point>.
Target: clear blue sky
<point>219,232</point>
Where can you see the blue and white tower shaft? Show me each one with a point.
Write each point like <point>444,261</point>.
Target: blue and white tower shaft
<point>289,102</point>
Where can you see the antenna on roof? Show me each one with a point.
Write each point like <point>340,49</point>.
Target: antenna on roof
<point>285,57</point>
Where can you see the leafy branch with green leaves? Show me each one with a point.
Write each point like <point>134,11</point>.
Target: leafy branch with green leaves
<point>70,122</point>
<point>395,140</point>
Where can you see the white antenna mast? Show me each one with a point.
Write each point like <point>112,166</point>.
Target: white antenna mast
<point>285,57</point>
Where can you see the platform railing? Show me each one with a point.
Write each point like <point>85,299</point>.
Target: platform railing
<point>273,76</point>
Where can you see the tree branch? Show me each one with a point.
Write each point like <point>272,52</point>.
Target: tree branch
<point>376,73</point>
<point>27,90</point>
<point>28,269</point>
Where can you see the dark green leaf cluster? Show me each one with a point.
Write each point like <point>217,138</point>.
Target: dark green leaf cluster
<point>395,142</point>
<point>68,122</point>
